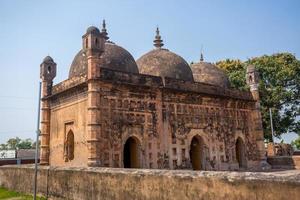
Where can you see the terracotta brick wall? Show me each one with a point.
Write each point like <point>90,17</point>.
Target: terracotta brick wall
<point>141,184</point>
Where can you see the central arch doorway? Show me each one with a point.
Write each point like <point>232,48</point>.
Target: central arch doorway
<point>131,153</point>
<point>240,153</point>
<point>196,153</point>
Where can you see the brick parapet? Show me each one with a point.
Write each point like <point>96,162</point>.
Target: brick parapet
<point>142,80</point>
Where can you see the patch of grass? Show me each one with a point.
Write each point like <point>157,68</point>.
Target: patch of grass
<point>7,194</point>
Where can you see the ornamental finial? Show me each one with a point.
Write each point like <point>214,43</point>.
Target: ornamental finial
<point>104,31</point>
<point>201,55</point>
<point>158,42</point>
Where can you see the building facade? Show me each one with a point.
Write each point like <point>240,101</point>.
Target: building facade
<point>156,112</point>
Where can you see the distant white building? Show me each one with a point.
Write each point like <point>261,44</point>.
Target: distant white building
<point>7,154</point>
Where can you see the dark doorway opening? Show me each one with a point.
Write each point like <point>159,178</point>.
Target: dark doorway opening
<point>70,146</point>
<point>240,153</point>
<point>131,154</point>
<point>196,153</point>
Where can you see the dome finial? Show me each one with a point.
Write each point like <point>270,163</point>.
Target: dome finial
<point>201,55</point>
<point>158,42</point>
<point>104,31</point>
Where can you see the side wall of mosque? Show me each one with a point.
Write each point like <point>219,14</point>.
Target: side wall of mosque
<point>68,122</point>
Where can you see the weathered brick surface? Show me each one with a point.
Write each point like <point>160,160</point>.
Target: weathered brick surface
<point>284,162</point>
<point>164,116</point>
<point>172,121</point>
<point>141,184</point>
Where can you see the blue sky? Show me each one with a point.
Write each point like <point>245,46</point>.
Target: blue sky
<point>30,30</point>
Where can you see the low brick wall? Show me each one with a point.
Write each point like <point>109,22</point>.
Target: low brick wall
<point>16,161</point>
<point>284,162</point>
<point>133,184</point>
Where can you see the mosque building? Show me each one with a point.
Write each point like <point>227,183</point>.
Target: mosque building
<point>156,112</point>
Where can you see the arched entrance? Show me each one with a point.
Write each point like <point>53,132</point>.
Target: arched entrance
<point>196,153</point>
<point>69,146</point>
<point>240,153</point>
<point>131,153</point>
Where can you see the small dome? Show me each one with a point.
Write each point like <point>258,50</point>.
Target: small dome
<point>164,63</point>
<point>114,56</point>
<point>206,72</point>
<point>93,29</point>
<point>48,59</point>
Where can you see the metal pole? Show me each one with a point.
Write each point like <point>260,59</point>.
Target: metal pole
<point>37,143</point>
<point>271,120</point>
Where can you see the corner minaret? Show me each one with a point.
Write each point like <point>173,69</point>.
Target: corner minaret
<point>252,79</point>
<point>93,40</point>
<point>93,45</point>
<point>47,74</point>
<point>158,42</point>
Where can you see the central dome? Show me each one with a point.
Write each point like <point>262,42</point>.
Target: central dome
<point>164,63</point>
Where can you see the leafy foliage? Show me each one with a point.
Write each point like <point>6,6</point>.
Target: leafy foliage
<point>279,89</point>
<point>296,143</point>
<point>17,143</point>
<point>236,71</point>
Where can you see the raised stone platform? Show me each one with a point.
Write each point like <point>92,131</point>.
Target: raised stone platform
<point>284,162</point>
<point>143,184</point>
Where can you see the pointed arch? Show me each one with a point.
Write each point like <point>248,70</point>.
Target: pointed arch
<point>70,145</point>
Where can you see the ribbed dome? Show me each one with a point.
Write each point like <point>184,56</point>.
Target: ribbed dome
<point>209,73</point>
<point>115,57</point>
<point>164,63</point>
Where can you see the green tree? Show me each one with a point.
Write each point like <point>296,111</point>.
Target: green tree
<point>17,143</point>
<point>25,144</point>
<point>236,71</point>
<point>13,143</point>
<point>279,89</point>
<point>296,143</point>
<point>3,147</point>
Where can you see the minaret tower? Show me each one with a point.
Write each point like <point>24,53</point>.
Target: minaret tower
<point>93,46</point>
<point>252,79</point>
<point>47,74</point>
